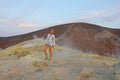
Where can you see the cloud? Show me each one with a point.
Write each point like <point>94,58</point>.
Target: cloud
<point>109,17</point>
<point>6,22</point>
<point>112,15</point>
<point>27,25</point>
<point>17,24</point>
<point>4,9</point>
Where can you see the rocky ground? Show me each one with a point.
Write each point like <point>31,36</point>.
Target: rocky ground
<point>25,61</point>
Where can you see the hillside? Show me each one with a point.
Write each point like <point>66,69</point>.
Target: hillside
<point>86,37</point>
<point>25,61</point>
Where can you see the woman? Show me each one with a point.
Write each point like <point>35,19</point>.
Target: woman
<point>50,43</point>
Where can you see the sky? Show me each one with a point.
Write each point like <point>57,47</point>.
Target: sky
<point>24,16</point>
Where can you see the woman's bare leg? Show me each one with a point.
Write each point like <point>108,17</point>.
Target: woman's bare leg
<point>45,51</point>
<point>50,51</point>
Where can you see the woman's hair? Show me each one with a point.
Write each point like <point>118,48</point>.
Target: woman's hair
<point>52,29</point>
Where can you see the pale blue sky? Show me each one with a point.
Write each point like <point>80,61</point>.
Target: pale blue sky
<point>23,16</point>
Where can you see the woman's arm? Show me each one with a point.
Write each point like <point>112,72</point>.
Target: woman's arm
<point>47,38</point>
<point>54,40</point>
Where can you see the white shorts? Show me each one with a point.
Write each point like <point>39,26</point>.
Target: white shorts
<point>49,45</point>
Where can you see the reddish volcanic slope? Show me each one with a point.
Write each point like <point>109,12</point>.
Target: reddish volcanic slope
<point>81,36</point>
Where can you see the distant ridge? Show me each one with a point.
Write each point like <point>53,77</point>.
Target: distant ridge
<point>82,36</point>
